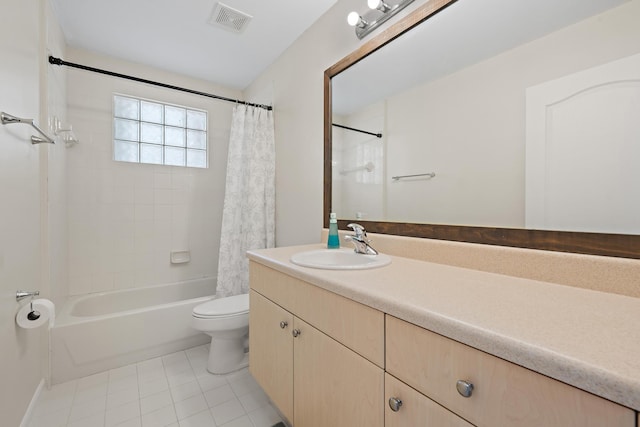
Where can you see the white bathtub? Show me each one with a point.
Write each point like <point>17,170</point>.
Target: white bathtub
<point>98,332</point>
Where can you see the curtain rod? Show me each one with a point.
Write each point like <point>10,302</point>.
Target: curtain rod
<point>58,61</point>
<point>377,135</point>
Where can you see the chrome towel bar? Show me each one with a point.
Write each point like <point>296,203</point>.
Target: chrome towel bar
<point>399,177</point>
<point>8,119</point>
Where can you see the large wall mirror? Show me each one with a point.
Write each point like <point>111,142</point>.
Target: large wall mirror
<point>503,122</point>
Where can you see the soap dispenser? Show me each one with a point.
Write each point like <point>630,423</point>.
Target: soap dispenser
<point>334,241</point>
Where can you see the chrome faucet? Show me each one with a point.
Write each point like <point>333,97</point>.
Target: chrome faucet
<point>360,240</point>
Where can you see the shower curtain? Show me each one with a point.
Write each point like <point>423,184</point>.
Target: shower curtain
<point>248,217</point>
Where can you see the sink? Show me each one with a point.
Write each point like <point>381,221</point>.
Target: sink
<point>339,259</point>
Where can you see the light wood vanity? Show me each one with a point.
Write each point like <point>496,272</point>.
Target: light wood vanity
<point>342,349</point>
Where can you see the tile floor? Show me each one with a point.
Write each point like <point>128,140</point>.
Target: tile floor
<point>174,390</point>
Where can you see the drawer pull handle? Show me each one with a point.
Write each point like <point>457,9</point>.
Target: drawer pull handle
<point>395,404</point>
<point>283,324</point>
<point>296,333</point>
<point>465,388</point>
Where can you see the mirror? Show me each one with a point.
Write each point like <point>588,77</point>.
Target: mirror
<point>496,117</point>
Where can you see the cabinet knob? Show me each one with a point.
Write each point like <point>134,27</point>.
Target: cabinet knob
<point>283,324</point>
<point>465,388</point>
<point>395,404</point>
<point>296,333</point>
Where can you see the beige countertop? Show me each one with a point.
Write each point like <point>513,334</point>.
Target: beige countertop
<point>585,338</point>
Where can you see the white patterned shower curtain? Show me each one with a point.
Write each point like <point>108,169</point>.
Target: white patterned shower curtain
<point>248,217</point>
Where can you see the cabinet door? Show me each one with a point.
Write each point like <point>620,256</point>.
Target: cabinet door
<point>333,385</point>
<point>271,351</point>
<point>416,409</point>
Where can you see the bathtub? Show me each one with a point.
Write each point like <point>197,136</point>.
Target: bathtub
<point>98,332</point>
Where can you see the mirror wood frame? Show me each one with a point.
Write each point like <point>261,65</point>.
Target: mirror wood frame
<point>614,245</point>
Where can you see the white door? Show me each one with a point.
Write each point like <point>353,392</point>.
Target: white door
<point>583,151</point>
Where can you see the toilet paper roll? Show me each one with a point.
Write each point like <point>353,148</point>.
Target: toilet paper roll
<point>47,314</point>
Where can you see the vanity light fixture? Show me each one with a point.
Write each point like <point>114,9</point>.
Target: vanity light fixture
<point>380,11</point>
<point>379,5</point>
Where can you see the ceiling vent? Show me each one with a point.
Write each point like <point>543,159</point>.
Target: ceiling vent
<point>229,18</point>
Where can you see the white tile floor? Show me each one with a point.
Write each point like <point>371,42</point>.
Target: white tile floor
<point>174,390</point>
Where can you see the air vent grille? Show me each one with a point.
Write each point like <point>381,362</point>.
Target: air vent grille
<point>229,18</point>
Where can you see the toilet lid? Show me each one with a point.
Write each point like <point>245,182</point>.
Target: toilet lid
<point>223,307</point>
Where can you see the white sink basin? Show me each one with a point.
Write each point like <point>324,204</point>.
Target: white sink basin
<point>339,259</point>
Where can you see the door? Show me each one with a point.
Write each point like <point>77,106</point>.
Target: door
<point>577,127</point>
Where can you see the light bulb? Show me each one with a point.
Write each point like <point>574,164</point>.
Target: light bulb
<point>353,18</point>
<point>378,5</point>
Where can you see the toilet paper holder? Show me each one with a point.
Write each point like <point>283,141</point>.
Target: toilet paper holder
<point>20,295</point>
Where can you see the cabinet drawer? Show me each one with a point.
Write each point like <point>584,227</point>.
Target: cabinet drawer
<point>356,326</point>
<point>416,410</point>
<point>504,394</point>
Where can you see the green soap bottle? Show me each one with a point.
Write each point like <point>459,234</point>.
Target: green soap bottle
<point>334,241</point>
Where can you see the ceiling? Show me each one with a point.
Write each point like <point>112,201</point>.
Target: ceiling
<point>176,35</point>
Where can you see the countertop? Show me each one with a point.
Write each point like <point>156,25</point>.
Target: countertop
<point>585,338</point>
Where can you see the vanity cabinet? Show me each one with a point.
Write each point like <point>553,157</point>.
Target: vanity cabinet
<point>317,355</point>
<point>499,393</point>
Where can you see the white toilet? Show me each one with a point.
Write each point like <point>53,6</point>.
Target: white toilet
<point>226,320</point>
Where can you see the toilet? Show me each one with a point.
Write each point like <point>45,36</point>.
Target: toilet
<point>226,320</point>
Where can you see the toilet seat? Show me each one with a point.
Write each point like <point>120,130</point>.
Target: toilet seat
<point>223,307</point>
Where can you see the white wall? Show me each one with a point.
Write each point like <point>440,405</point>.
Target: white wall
<point>23,223</point>
<point>124,219</point>
<point>295,81</point>
<point>53,164</point>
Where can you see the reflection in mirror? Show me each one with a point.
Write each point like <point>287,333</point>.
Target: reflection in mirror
<point>496,113</point>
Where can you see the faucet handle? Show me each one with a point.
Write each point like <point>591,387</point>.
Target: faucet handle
<point>359,231</point>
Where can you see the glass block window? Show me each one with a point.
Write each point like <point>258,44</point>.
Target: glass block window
<point>152,132</point>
